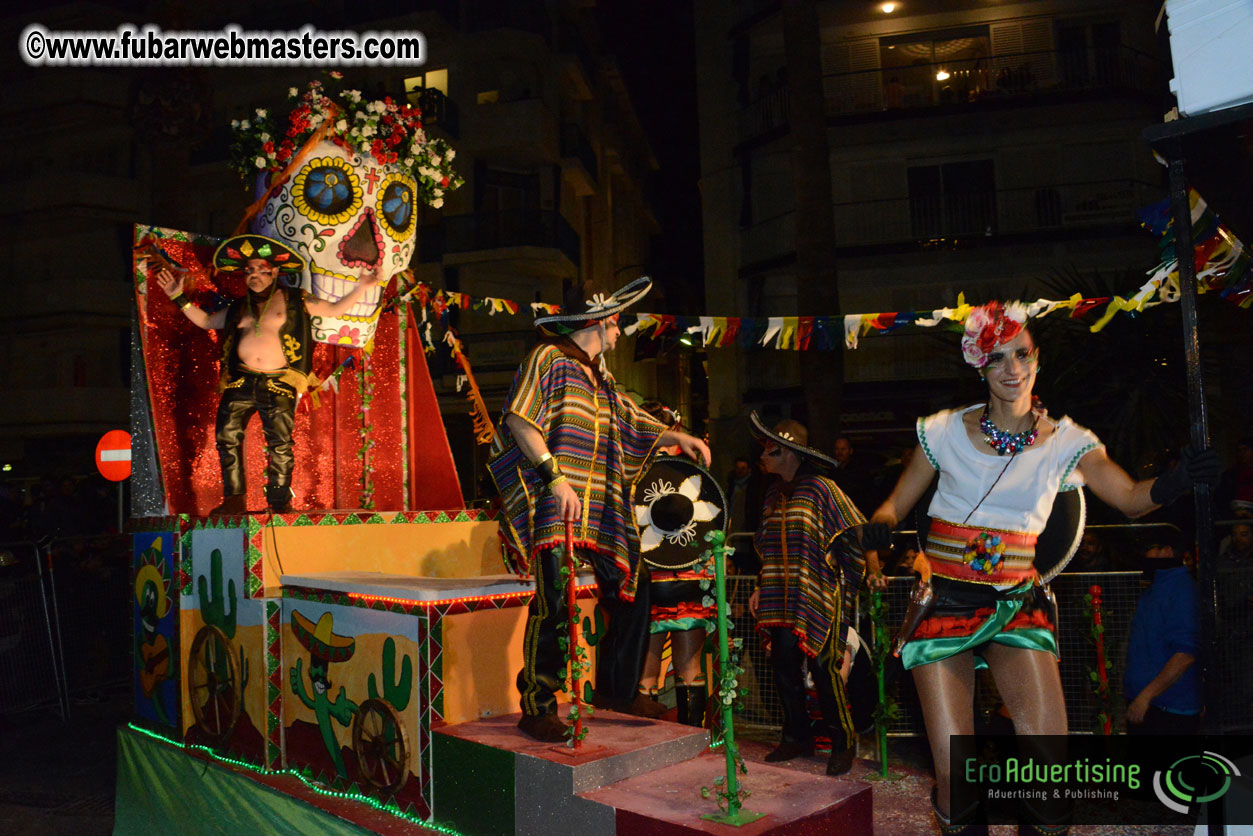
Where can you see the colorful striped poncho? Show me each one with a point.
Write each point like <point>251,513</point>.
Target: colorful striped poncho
<point>810,574</point>
<point>601,440</point>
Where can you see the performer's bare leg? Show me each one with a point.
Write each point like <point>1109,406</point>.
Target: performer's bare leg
<point>652,662</point>
<point>947,692</point>
<point>1031,686</point>
<point>685,648</point>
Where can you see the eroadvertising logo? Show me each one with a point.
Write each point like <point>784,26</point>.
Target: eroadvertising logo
<point>1094,779</point>
<point>1193,780</point>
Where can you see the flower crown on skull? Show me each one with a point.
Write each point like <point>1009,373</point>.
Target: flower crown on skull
<point>988,326</point>
<point>390,132</point>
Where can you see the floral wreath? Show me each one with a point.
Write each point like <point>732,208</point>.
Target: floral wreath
<point>987,326</point>
<point>390,132</point>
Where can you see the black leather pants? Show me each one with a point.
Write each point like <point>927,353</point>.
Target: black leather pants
<point>786,659</point>
<point>275,402</point>
<point>620,651</point>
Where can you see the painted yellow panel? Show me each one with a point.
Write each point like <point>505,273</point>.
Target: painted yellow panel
<point>433,550</point>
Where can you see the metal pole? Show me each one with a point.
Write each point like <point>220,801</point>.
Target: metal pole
<point>1206,576</point>
<point>53,620</point>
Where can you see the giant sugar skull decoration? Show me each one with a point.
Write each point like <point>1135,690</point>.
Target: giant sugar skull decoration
<point>349,201</point>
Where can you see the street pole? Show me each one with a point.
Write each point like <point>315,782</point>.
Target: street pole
<point>1206,576</point>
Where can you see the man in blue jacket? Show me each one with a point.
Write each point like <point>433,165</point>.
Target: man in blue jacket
<point>1162,682</point>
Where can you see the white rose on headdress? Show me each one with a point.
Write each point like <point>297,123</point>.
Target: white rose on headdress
<point>977,320</point>
<point>260,161</point>
<point>450,153</point>
<point>598,302</point>
<point>261,113</point>
<point>292,92</point>
<point>437,202</point>
<point>1016,311</point>
<point>971,352</point>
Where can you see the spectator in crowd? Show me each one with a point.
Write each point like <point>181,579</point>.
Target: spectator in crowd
<point>1091,556</point>
<point>1236,549</point>
<point>737,494</point>
<point>1235,488</point>
<point>851,473</point>
<point>1162,682</point>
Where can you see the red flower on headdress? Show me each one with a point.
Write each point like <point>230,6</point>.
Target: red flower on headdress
<point>988,326</point>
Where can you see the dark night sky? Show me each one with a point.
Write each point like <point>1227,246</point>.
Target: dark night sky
<point>653,41</point>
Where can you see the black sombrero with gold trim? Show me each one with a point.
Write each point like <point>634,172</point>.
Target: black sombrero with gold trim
<point>234,254</point>
<point>577,315</point>
<point>795,439</point>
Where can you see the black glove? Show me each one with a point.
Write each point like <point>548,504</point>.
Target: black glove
<point>876,537</point>
<point>1195,466</point>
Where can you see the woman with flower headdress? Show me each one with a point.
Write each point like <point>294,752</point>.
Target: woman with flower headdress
<point>810,572</point>
<point>979,602</point>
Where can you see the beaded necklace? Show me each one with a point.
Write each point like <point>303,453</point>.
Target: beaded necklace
<point>252,306</point>
<point>1006,442</point>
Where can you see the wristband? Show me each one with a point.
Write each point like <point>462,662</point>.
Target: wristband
<point>557,481</point>
<point>180,300</point>
<point>548,469</point>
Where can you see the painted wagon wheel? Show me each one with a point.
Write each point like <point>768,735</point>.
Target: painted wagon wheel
<point>381,745</point>
<point>213,682</point>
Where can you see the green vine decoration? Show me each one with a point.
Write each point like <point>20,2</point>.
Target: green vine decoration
<point>365,453</point>
<point>726,790</point>
<point>887,710</point>
<point>581,665</point>
<point>1098,675</point>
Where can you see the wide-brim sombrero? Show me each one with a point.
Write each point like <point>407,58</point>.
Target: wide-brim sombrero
<point>676,504</point>
<point>320,639</point>
<point>764,433</point>
<point>595,309</point>
<point>234,254</point>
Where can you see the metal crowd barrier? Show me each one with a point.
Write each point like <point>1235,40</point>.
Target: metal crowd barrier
<point>65,620</point>
<point>1120,591</point>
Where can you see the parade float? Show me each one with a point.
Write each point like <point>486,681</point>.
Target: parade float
<point>349,667</point>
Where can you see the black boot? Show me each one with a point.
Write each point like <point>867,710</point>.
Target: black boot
<point>1034,822</point>
<point>973,821</point>
<point>691,700</point>
<point>279,498</point>
<point>232,506</point>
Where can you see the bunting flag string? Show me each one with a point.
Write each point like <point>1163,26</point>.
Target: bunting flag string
<point>1222,264</point>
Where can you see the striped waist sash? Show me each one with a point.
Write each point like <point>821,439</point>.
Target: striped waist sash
<point>980,555</point>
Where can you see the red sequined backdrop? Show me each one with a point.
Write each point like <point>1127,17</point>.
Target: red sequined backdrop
<point>182,369</point>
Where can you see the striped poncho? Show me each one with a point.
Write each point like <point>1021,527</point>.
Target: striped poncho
<point>601,440</point>
<point>810,574</point>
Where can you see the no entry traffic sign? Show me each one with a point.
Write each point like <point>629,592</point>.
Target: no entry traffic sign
<point>113,455</point>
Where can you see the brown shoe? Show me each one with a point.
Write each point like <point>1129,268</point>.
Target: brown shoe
<point>787,750</point>
<point>546,728</point>
<point>645,706</point>
<point>232,506</point>
<point>840,762</point>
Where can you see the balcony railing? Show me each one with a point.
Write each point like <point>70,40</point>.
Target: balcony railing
<point>991,213</point>
<point>765,113</point>
<point>574,143</point>
<point>499,230</point>
<point>438,110</point>
<point>998,77</point>
<point>1038,209</point>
